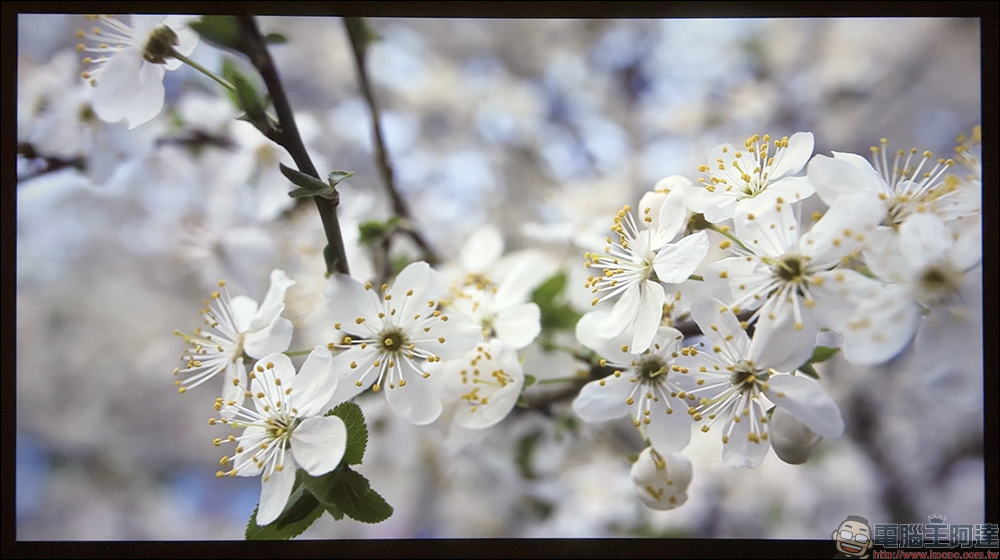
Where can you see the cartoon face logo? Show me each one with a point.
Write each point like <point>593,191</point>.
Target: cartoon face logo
<point>853,537</point>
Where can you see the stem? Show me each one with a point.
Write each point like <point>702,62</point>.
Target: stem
<point>729,235</point>
<point>559,380</point>
<point>202,69</point>
<point>296,352</point>
<point>288,134</point>
<point>696,277</point>
<point>359,44</point>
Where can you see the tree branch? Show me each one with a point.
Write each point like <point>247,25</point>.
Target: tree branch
<point>288,137</point>
<point>357,33</point>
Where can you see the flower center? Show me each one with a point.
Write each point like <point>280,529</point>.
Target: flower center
<point>280,428</point>
<point>160,45</point>
<point>652,367</point>
<point>487,324</point>
<point>789,268</point>
<point>745,377</point>
<point>939,280</point>
<point>86,113</point>
<point>391,340</point>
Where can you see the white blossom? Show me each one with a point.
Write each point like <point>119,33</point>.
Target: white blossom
<point>286,429</point>
<point>642,385</point>
<point>484,384</point>
<point>661,482</point>
<point>734,381</point>
<point>235,326</point>
<point>391,332</point>
<point>735,178</point>
<point>129,63</point>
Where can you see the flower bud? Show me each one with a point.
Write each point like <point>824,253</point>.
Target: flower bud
<point>661,481</point>
<point>792,440</point>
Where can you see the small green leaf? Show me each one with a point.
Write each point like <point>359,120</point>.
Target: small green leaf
<point>275,39</point>
<point>229,73</point>
<point>822,354</point>
<point>336,177</point>
<point>357,431</point>
<point>300,512</point>
<point>525,451</point>
<point>311,185</point>
<point>371,230</point>
<point>221,31</point>
<point>550,289</point>
<point>529,380</point>
<point>348,492</point>
<point>632,457</point>
<point>809,370</point>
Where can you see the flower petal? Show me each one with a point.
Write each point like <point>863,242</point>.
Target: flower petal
<point>274,492</point>
<point>669,431</point>
<point>722,328</point>
<point>604,399</point>
<point>838,293</point>
<point>807,402</point>
<point>147,99</point>
<point>460,335</point>
<point>519,325</point>
<point>778,343</point>
<point>840,176</point>
<point>923,238</point>
<point>416,277</point>
<point>501,400</point>
<point>119,80</point>
<point>623,312</point>
<point>274,300</point>
<point>275,337</point>
<point>647,319</point>
<point>880,327</point>
<point>315,383</point>
<point>416,401</point>
<point>233,392</point>
<point>675,262</point>
<point>244,308</point>
<point>482,249</point>
<point>794,157</point>
<point>347,387</point>
<point>589,331</point>
<point>739,451</point>
<point>349,300</point>
<point>672,216</point>
<point>318,444</point>
<point>844,228</point>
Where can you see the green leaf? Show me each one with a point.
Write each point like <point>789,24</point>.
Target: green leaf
<point>357,431</point>
<point>221,31</point>
<point>529,380</point>
<point>809,370</point>
<point>371,230</point>
<point>336,177</point>
<point>525,451</point>
<point>229,72</point>
<point>300,512</point>
<point>311,186</point>
<point>550,289</point>
<point>555,316</point>
<point>275,39</point>
<point>347,492</point>
<point>822,354</point>
<point>632,457</point>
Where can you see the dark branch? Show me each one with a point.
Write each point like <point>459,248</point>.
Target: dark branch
<point>357,33</point>
<point>287,136</point>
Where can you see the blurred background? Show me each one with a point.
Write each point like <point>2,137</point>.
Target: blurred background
<point>535,126</point>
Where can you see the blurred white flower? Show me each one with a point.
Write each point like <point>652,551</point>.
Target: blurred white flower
<point>907,187</point>
<point>237,325</point>
<point>128,73</point>
<point>797,283</point>
<point>485,384</point>
<point>661,482</point>
<point>925,265</point>
<point>642,382</point>
<point>736,179</point>
<point>732,380</point>
<point>390,333</point>
<point>637,263</point>
<point>287,429</point>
